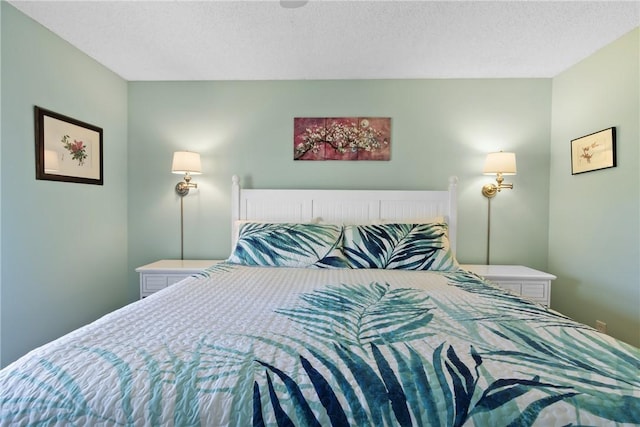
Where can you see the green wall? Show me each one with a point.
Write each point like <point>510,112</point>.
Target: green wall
<point>439,128</point>
<point>64,247</point>
<point>594,226</point>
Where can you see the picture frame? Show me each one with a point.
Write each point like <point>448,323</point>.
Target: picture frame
<point>67,149</point>
<point>593,152</point>
<point>342,138</point>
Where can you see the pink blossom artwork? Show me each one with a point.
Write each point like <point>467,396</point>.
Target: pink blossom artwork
<point>342,138</point>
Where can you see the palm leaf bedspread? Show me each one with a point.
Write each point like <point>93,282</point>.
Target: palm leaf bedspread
<point>277,346</point>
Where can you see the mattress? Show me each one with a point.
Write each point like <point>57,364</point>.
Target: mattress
<point>242,346</point>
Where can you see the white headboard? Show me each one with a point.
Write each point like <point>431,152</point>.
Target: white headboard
<point>343,206</point>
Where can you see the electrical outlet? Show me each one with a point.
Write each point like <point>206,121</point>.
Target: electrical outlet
<point>601,326</point>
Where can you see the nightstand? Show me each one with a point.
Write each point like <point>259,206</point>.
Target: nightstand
<point>524,281</point>
<point>160,274</point>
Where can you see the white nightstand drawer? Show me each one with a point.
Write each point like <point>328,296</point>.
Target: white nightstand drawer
<point>535,290</point>
<point>524,281</point>
<point>160,274</point>
<point>154,282</point>
<point>175,278</point>
<point>515,287</point>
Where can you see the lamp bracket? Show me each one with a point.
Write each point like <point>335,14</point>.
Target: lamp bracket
<point>488,190</point>
<point>182,188</point>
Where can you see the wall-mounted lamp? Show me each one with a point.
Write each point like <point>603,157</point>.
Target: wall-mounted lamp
<point>498,164</point>
<point>188,163</point>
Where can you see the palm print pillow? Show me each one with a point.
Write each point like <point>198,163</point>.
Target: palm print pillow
<point>399,246</point>
<point>289,245</point>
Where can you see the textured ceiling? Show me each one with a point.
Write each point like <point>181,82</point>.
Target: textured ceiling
<point>261,40</point>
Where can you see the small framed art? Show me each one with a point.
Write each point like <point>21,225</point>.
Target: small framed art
<point>594,151</point>
<point>67,149</point>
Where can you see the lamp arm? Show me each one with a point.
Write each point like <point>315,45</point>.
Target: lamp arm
<point>182,188</point>
<point>490,190</point>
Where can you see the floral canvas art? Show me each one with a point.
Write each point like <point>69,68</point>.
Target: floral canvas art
<point>342,138</point>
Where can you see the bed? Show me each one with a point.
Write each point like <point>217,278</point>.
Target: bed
<point>335,307</point>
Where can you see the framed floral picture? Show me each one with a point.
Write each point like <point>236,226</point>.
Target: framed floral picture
<point>67,149</point>
<point>341,138</point>
<point>594,151</point>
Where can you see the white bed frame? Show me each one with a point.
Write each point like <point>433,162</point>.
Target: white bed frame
<point>342,206</point>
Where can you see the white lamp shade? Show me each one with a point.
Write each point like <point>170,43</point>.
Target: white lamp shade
<point>51,161</point>
<point>500,162</point>
<point>186,162</point>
